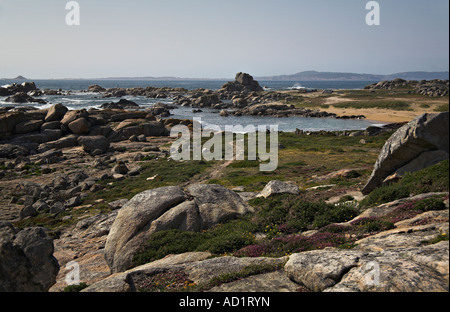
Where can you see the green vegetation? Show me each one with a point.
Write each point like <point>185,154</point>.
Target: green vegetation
<point>221,239</point>
<point>303,157</point>
<point>290,213</point>
<point>178,281</point>
<point>385,104</point>
<point>75,288</point>
<point>431,179</point>
<point>246,272</point>
<point>443,237</point>
<point>276,217</point>
<point>443,108</point>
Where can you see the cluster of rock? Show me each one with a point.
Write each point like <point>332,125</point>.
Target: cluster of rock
<point>58,194</point>
<point>17,88</point>
<point>149,92</point>
<point>279,110</point>
<point>395,260</point>
<point>24,132</point>
<point>242,82</point>
<point>242,92</point>
<point>26,93</point>
<point>433,88</point>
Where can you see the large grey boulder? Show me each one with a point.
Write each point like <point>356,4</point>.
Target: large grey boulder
<point>216,204</point>
<point>130,229</point>
<point>417,145</point>
<point>199,207</point>
<point>26,260</point>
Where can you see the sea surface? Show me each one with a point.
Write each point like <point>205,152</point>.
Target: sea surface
<point>79,100</point>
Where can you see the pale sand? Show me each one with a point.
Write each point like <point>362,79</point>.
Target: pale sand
<point>381,115</point>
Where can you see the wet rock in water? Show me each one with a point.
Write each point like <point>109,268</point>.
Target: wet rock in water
<point>23,97</point>
<point>96,88</point>
<point>242,82</point>
<point>122,104</point>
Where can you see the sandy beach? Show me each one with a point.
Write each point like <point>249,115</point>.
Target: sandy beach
<point>383,115</point>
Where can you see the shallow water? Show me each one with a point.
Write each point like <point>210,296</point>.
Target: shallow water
<point>80,100</point>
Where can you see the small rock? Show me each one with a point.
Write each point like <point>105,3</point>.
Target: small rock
<point>57,208</point>
<point>27,211</point>
<point>120,168</point>
<point>279,187</point>
<point>117,204</point>
<point>72,202</point>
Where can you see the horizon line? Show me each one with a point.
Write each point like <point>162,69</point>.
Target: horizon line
<point>220,79</point>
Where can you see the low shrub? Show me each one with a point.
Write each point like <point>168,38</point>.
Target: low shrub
<point>75,288</point>
<point>431,179</point>
<point>294,214</point>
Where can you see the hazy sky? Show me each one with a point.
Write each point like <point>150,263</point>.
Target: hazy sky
<point>217,38</point>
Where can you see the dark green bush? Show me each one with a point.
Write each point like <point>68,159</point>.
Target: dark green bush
<point>295,213</point>
<point>167,242</point>
<point>431,179</point>
<point>430,204</point>
<point>220,239</point>
<point>75,288</point>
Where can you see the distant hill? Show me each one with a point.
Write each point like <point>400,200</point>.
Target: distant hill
<point>20,78</point>
<point>315,76</point>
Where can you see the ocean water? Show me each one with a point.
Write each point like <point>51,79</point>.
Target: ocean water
<point>80,100</point>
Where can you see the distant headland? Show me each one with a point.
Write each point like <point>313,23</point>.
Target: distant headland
<point>300,76</point>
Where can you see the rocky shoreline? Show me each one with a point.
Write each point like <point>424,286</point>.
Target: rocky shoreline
<point>432,88</point>
<point>242,97</point>
<point>52,160</point>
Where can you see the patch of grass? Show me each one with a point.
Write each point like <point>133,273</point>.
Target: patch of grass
<point>443,237</point>
<point>297,214</point>
<point>169,173</point>
<point>220,239</point>
<point>175,281</point>
<point>430,204</point>
<point>287,245</point>
<point>381,104</point>
<point>371,225</point>
<point>76,288</point>
<point>245,164</point>
<point>246,272</point>
<point>431,179</point>
<point>413,208</point>
<point>442,108</point>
